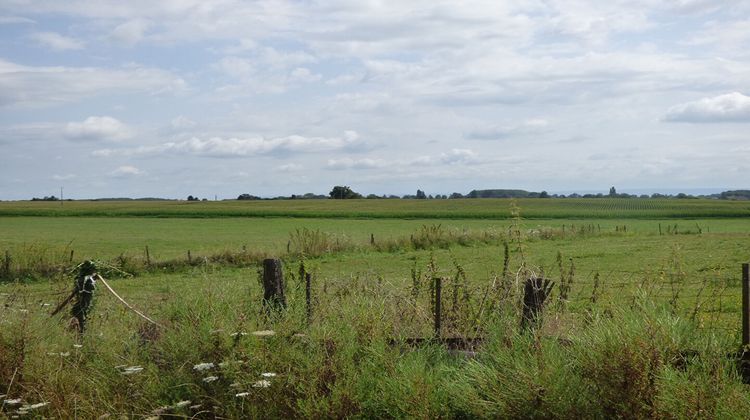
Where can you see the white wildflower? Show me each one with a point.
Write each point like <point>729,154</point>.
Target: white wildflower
<point>264,333</point>
<point>203,366</point>
<point>161,410</point>
<point>242,394</point>
<point>209,379</point>
<point>181,404</point>
<point>196,406</point>
<point>15,401</point>
<point>263,383</point>
<point>238,334</point>
<point>235,385</point>
<point>268,375</point>
<point>33,406</point>
<point>78,346</point>
<point>131,370</point>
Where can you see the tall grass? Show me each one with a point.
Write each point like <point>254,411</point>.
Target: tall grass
<point>615,362</point>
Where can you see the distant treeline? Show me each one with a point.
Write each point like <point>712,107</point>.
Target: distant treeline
<point>344,192</point>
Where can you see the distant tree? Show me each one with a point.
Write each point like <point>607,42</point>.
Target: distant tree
<point>46,198</point>
<point>456,195</point>
<point>247,197</point>
<point>372,196</point>
<point>421,195</point>
<point>543,194</point>
<point>612,192</point>
<point>340,192</point>
<point>735,195</point>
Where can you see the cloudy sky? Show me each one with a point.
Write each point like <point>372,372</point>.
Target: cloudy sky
<point>175,97</point>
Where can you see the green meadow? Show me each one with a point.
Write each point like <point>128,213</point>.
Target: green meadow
<point>600,208</point>
<point>644,311</point>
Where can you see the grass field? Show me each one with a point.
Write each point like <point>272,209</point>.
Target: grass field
<point>609,208</point>
<point>650,316</point>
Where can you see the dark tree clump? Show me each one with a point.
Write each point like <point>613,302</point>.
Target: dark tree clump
<point>340,192</point>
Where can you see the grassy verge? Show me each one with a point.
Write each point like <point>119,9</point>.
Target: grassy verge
<point>629,359</point>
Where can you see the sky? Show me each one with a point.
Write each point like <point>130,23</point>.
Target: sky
<point>218,98</point>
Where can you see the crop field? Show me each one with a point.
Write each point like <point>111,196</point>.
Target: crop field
<point>647,290</point>
<point>600,208</point>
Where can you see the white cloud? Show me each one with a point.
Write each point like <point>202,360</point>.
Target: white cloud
<point>126,171</point>
<point>267,71</point>
<point>9,20</point>
<point>530,126</point>
<point>452,157</point>
<point>303,75</point>
<point>56,41</point>
<point>97,129</point>
<point>289,167</point>
<point>236,67</point>
<point>348,163</point>
<point>41,86</point>
<point>220,147</point>
<point>731,107</point>
<point>130,32</point>
<point>182,122</point>
<point>459,156</point>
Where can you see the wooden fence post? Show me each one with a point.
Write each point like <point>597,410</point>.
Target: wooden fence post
<point>190,257</point>
<point>273,284</point>
<point>536,290</point>
<point>745,351</point>
<point>6,263</point>
<point>745,305</point>
<point>148,256</point>
<point>308,296</point>
<point>438,304</point>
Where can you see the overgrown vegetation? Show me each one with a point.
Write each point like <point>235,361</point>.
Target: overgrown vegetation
<point>213,356</point>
